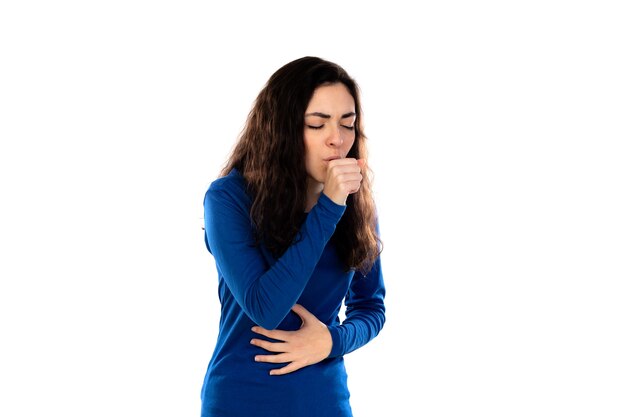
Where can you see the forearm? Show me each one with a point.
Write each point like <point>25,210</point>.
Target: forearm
<point>357,330</point>
<point>365,313</point>
<point>267,290</point>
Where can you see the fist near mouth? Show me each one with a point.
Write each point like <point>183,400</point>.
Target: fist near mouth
<point>343,177</point>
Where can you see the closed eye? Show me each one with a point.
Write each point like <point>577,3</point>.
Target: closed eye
<point>321,126</point>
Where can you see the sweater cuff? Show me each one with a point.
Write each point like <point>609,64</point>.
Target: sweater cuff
<point>337,349</point>
<point>329,205</point>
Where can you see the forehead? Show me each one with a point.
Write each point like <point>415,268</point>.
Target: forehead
<point>332,98</point>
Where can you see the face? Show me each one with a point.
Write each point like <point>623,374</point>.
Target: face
<point>328,128</point>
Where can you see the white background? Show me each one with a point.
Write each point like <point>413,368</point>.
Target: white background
<point>496,134</point>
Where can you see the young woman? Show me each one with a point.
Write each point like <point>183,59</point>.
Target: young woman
<point>292,227</point>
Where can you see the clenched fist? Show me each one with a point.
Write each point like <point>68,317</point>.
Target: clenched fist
<point>343,177</point>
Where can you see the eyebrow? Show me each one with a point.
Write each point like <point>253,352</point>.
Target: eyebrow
<point>327,116</point>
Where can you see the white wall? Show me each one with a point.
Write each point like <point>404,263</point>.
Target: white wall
<point>497,139</point>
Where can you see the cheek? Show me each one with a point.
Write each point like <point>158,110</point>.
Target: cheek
<point>348,144</point>
<point>314,167</point>
<point>309,160</point>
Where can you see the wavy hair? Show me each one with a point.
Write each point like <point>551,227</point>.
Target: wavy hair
<point>270,155</point>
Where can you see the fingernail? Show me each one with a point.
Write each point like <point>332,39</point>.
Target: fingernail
<point>256,358</point>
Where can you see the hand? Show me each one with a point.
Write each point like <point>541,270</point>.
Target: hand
<point>306,346</point>
<point>343,177</point>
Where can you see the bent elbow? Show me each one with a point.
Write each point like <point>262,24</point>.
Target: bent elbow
<point>264,314</point>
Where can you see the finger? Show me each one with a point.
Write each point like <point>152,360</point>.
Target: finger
<point>272,334</point>
<point>362,163</point>
<point>280,358</point>
<point>350,176</point>
<point>339,169</point>
<point>293,366</point>
<point>342,162</point>
<point>269,346</point>
<point>352,184</point>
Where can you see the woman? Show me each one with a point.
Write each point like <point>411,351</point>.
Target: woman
<point>291,224</point>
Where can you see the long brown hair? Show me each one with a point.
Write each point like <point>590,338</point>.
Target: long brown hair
<point>270,155</point>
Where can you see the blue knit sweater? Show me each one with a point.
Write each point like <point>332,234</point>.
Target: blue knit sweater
<point>257,289</point>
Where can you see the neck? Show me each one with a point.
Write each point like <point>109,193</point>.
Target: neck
<point>314,189</point>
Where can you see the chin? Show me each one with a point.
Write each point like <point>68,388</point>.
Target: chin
<point>321,177</point>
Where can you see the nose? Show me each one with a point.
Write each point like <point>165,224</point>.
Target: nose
<point>335,137</point>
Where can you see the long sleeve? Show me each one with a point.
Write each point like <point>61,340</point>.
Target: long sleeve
<point>266,293</point>
<point>365,312</point>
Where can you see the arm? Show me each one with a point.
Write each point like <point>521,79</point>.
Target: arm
<point>265,293</point>
<point>365,313</point>
<point>314,341</point>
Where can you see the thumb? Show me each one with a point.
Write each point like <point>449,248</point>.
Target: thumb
<point>302,312</point>
<point>362,163</point>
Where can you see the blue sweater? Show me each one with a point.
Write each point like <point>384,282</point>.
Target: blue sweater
<point>257,289</point>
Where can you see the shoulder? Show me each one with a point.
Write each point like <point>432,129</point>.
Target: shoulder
<point>230,189</point>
